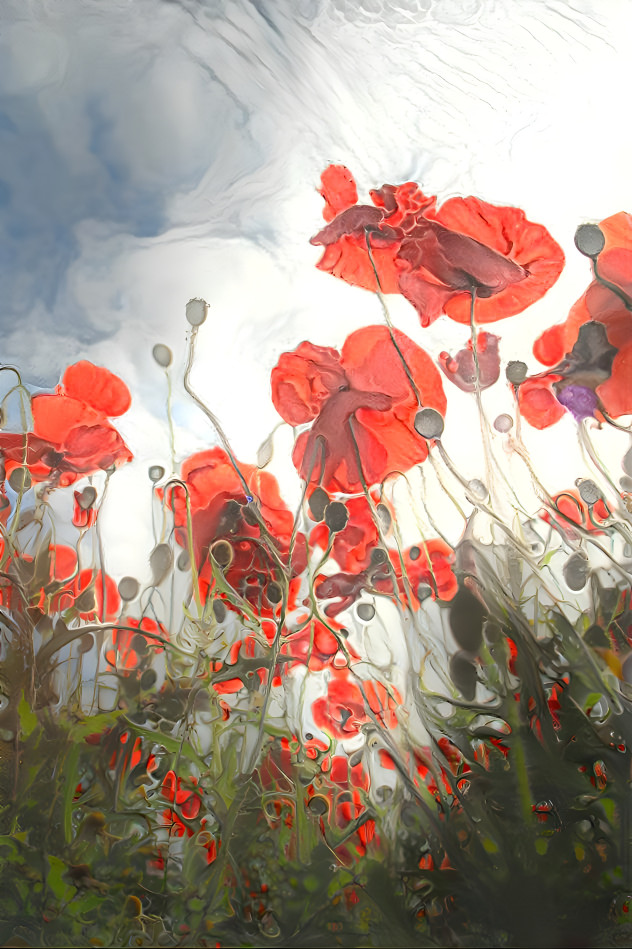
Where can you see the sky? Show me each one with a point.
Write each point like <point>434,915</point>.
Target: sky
<point>157,150</point>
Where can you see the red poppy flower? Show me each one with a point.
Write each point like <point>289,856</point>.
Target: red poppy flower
<point>63,561</point>
<point>122,654</point>
<point>360,401</point>
<point>62,564</point>
<point>71,433</point>
<point>436,258</point>
<point>600,303</point>
<point>226,524</point>
<point>343,710</point>
<point>427,571</point>
<point>574,384</point>
<point>86,593</point>
<point>314,645</point>
<point>84,513</point>
<point>574,509</point>
<point>187,799</point>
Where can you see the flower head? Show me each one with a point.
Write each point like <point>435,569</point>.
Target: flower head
<point>236,531</point>
<point>607,301</point>
<point>575,384</point>
<point>466,253</point>
<point>71,434</point>
<point>362,405</point>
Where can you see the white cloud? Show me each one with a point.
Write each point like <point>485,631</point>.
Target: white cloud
<point>156,151</point>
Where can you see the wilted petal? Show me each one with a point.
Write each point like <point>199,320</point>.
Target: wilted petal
<point>461,369</point>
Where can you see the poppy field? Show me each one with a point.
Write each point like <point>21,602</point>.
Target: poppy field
<point>337,722</point>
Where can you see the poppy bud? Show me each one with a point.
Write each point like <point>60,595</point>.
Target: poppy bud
<point>463,674</point>
<point>86,498</point>
<point>148,679</point>
<point>160,562</point>
<point>20,479</point>
<point>128,588</point>
<point>466,620</point>
<point>478,489</point>
<point>576,571</point>
<point>588,491</point>
<point>336,516</point>
<point>503,423</point>
<point>162,354</point>
<point>317,503</point>
<point>516,371</point>
<point>365,612</point>
<point>274,593</point>
<point>429,423</point>
<point>222,553</point>
<point>589,240</point>
<point>219,611</point>
<point>424,590</point>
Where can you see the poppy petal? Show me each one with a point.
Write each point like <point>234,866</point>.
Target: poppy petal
<point>338,188</point>
<point>507,231</point>
<point>97,387</point>
<point>303,379</point>
<point>538,405</point>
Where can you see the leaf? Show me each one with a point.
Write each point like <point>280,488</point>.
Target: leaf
<point>28,718</point>
<point>55,882</point>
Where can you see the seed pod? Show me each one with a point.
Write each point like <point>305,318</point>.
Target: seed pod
<point>589,240</point>
<point>222,553</point>
<point>503,423</point>
<point>317,503</point>
<point>156,472</point>
<point>516,371</point>
<point>466,620</point>
<point>576,571</point>
<point>336,516</point>
<point>588,491</point>
<point>429,423</point>
<point>20,480</point>
<point>160,562</point>
<point>365,612</point>
<point>87,497</point>
<point>163,355</point>
<point>128,588</point>
<point>463,674</point>
<point>274,593</point>
<point>196,311</point>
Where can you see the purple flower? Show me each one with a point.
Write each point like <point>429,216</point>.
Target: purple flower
<point>579,400</point>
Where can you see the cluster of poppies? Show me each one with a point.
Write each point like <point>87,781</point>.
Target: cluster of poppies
<point>363,414</point>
